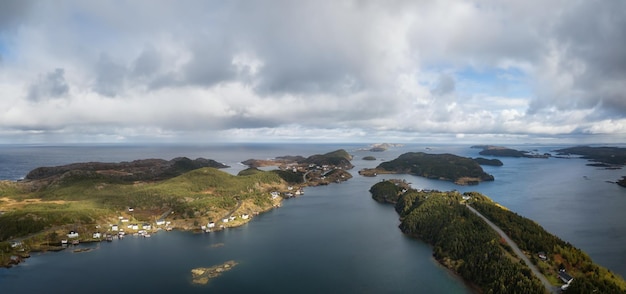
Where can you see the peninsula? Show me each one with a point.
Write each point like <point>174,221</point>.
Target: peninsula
<point>447,167</point>
<point>465,243</point>
<point>54,207</point>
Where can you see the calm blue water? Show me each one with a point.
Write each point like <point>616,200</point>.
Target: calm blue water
<point>332,239</point>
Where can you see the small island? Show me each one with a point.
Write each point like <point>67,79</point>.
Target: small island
<point>380,147</point>
<point>447,167</point>
<point>370,158</point>
<point>490,162</point>
<point>203,275</point>
<point>489,150</point>
<point>466,244</point>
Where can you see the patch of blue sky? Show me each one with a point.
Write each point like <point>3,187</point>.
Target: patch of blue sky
<point>510,82</point>
<point>6,53</point>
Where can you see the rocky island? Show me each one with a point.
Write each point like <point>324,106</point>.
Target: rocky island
<point>464,242</point>
<point>202,275</point>
<point>447,167</point>
<point>490,150</point>
<point>56,207</point>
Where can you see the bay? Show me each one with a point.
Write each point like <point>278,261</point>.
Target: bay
<point>332,239</point>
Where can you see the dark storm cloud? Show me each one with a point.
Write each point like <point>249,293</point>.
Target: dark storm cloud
<point>50,85</point>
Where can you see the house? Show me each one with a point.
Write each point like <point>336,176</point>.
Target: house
<point>97,235</point>
<point>146,226</point>
<point>211,225</point>
<point>225,220</point>
<point>130,209</point>
<point>160,222</point>
<point>72,234</point>
<point>245,216</point>
<point>232,217</point>
<point>466,197</point>
<point>542,255</point>
<point>115,228</point>
<point>565,277</point>
<point>125,220</point>
<point>275,194</point>
<point>135,227</point>
<point>16,244</point>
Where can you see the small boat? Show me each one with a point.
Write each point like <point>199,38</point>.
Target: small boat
<point>146,235</point>
<point>63,242</point>
<point>75,242</point>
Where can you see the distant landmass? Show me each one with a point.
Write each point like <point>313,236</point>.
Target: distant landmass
<point>606,155</point>
<point>448,167</point>
<point>380,147</point>
<point>489,150</point>
<point>463,242</point>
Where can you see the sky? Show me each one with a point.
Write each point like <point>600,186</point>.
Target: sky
<point>312,71</point>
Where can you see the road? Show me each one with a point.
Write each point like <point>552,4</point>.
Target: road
<point>551,288</point>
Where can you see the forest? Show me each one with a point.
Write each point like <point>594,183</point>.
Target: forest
<point>465,244</point>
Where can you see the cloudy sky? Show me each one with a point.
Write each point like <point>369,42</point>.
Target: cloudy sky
<point>414,71</point>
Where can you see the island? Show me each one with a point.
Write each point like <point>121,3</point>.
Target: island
<point>606,156</point>
<point>491,162</point>
<point>370,158</point>
<point>527,259</point>
<point>448,167</point>
<point>500,151</point>
<point>55,208</point>
<point>380,147</point>
<point>202,275</point>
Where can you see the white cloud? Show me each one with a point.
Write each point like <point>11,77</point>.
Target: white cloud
<point>318,69</point>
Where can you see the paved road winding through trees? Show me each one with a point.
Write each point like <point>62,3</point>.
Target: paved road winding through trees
<point>551,288</point>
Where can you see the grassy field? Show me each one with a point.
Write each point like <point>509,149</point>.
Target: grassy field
<point>86,201</point>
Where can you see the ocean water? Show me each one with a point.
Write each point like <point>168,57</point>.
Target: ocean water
<point>332,239</point>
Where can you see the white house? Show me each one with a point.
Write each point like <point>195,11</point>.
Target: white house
<point>135,227</point>
<point>146,227</point>
<point>275,194</point>
<point>125,220</point>
<point>72,234</point>
<point>225,220</point>
<point>232,217</point>
<point>97,235</point>
<point>245,216</point>
<point>130,209</point>
<point>160,222</point>
<point>211,225</point>
<point>115,228</point>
